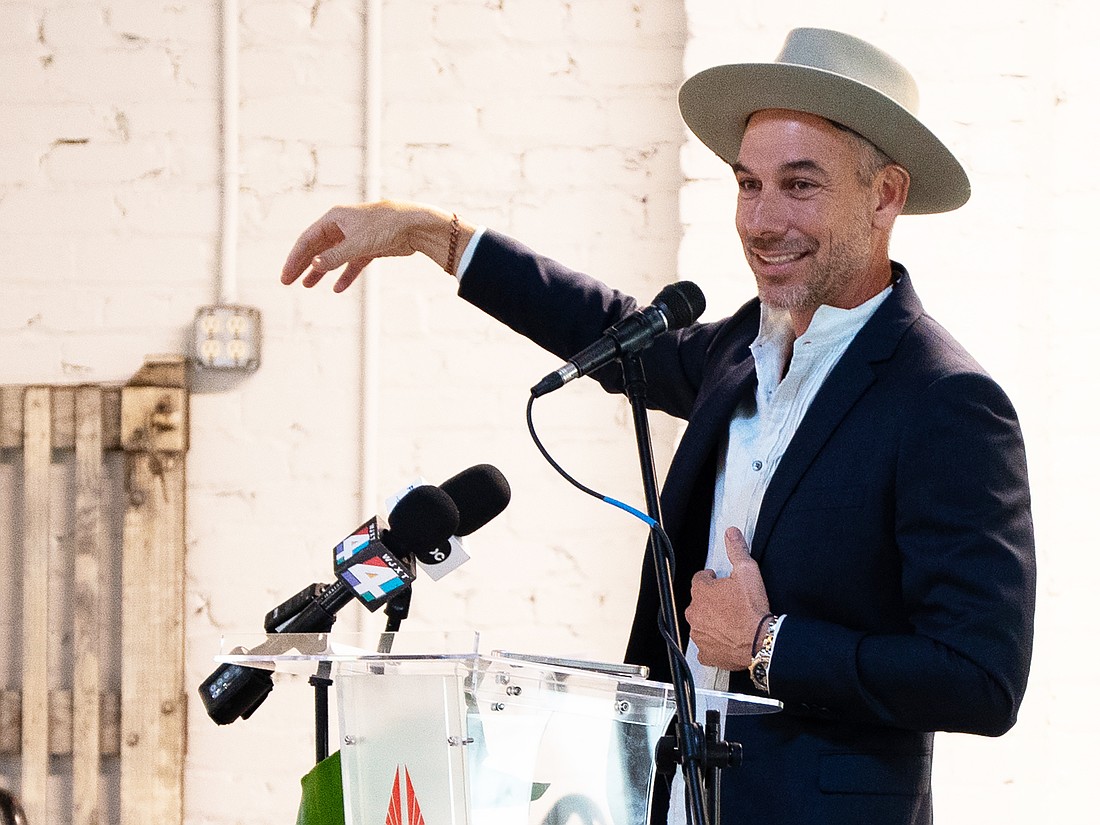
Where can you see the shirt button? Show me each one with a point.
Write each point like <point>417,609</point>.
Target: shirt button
<point>757,465</point>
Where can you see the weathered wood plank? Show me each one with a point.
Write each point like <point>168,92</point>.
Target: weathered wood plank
<point>87,616</point>
<point>154,419</point>
<point>11,417</point>
<point>110,724</point>
<point>63,415</point>
<point>61,722</point>
<point>112,418</point>
<point>167,370</point>
<point>36,614</point>
<point>153,695</point>
<point>11,722</point>
<point>60,703</point>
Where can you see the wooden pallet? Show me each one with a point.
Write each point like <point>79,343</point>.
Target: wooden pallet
<point>72,704</point>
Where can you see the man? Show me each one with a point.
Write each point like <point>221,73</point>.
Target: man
<point>874,469</point>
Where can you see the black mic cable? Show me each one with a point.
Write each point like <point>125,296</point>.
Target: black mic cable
<point>663,544</point>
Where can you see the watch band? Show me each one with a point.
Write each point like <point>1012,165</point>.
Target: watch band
<point>761,662</point>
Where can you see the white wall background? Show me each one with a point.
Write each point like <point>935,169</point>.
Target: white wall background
<point>554,121</point>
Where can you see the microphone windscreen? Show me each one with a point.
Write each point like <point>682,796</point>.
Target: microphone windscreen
<point>424,518</point>
<point>481,493</point>
<point>684,303</point>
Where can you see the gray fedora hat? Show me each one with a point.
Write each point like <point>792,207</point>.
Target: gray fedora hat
<point>841,78</point>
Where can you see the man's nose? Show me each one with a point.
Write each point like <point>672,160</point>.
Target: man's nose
<point>765,214</point>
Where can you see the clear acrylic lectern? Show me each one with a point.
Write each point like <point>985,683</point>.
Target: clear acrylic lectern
<point>433,732</point>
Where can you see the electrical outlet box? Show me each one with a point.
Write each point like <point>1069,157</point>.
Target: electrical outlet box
<point>227,337</point>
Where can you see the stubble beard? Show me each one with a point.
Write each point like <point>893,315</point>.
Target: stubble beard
<point>848,257</point>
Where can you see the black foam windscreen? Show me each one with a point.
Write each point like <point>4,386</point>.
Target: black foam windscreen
<point>480,493</point>
<point>424,518</point>
<point>684,303</point>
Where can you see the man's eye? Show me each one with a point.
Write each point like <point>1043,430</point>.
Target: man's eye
<point>803,187</point>
<point>748,186</point>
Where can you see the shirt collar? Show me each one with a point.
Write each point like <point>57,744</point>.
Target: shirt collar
<point>830,327</point>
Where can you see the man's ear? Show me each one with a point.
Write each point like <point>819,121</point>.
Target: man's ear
<point>891,192</point>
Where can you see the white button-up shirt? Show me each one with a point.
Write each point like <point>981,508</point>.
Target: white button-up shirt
<point>763,425</point>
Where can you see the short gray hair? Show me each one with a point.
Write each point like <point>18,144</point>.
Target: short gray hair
<point>872,160</point>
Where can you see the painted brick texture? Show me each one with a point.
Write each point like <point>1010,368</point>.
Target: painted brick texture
<point>555,122</point>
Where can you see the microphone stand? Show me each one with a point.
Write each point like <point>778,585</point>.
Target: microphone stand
<point>234,691</point>
<point>696,750</point>
<point>396,610</point>
<point>321,682</point>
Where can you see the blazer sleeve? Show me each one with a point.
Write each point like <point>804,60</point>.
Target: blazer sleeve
<point>964,535</point>
<point>563,311</point>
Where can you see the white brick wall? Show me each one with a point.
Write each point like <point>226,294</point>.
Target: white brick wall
<point>556,122</point>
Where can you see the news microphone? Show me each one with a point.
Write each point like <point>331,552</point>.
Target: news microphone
<point>373,563</point>
<point>676,306</point>
<point>480,493</point>
<point>376,572</point>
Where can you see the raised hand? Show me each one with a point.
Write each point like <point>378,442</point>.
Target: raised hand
<point>353,236</point>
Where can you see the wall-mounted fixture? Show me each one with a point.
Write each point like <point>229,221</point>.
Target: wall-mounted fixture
<point>226,337</point>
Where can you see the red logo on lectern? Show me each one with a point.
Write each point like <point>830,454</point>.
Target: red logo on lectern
<point>412,804</point>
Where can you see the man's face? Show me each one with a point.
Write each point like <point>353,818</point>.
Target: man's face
<point>804,217</point>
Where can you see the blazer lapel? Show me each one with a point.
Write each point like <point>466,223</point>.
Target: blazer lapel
<point>848,381</point>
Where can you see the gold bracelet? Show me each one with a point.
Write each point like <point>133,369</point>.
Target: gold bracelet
<point>454,244</point>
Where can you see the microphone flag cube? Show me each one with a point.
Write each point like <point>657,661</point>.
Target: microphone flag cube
<point>367,567</point>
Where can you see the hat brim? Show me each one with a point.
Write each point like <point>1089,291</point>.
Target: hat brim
<point>717,102</point>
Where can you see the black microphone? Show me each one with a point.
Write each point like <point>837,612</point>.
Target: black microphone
<point>676,306</point>
<point>423,519</point>
<point>480,493</point>
<point>375,564</point>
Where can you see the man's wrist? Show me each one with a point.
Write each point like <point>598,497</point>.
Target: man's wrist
<point>442,236</point>
<point>761,628</point>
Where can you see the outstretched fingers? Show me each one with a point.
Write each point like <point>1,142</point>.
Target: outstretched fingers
<point>313,249</point>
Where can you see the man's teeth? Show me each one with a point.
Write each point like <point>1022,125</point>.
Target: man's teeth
<point>779,259</point>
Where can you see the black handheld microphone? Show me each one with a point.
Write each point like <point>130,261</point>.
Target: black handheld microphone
<point>480,493</point>
<point>676,306</point>
<point>424,518</point>
<point>375,563</point>
<point>378,572</point>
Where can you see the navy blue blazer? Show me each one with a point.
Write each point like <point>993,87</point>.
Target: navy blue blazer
<point>896,535</point>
